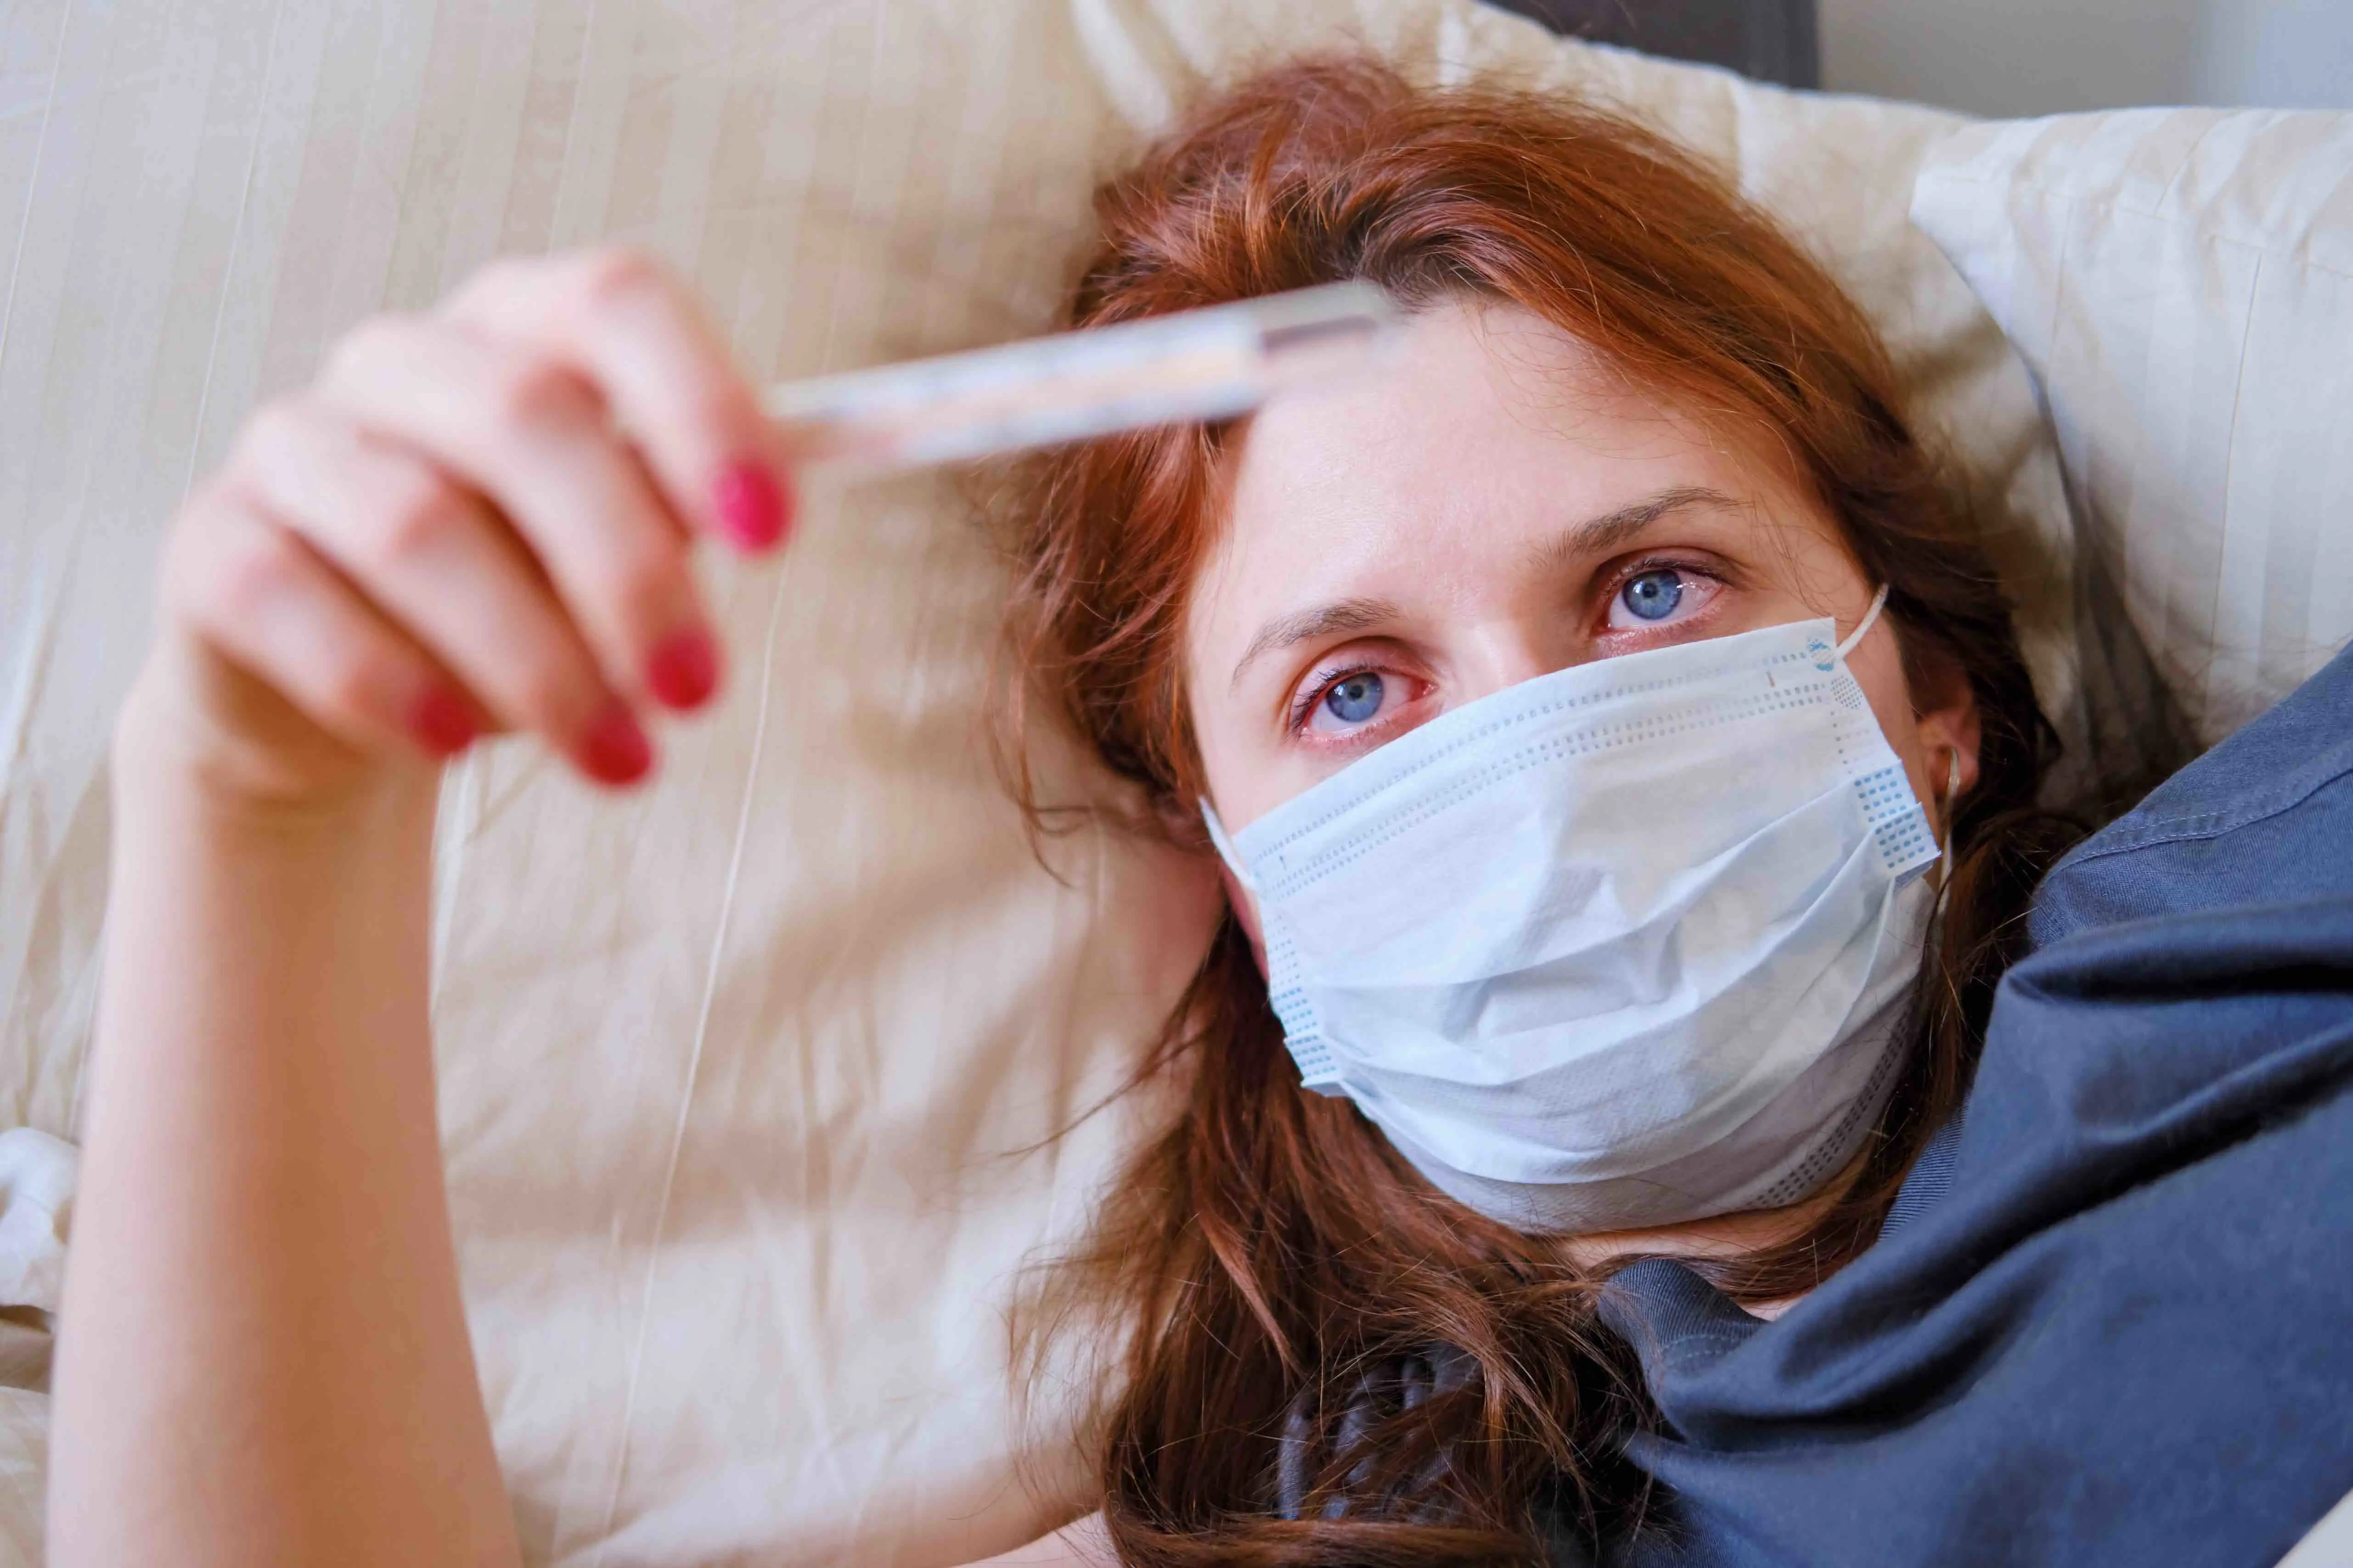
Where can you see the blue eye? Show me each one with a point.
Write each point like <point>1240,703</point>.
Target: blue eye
<point>1355,699</point>
<point>1654,596</point>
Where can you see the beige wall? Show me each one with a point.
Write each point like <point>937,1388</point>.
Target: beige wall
<point>2038,56</point>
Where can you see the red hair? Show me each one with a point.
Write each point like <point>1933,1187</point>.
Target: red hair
<point>1270,1246</point>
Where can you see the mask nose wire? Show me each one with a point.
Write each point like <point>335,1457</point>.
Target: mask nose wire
<point>1869,618</point>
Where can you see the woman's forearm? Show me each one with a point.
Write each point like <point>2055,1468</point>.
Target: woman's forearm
<point>264,1358</point>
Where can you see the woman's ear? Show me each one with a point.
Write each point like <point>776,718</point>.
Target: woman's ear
<point>1185,828</point>
<point>1945,713</point>
<point>1245,909</point>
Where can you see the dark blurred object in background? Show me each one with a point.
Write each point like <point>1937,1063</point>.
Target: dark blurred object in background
<point>1772,40</point>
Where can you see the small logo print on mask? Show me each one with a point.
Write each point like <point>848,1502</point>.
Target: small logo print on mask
<point>1825,657</point>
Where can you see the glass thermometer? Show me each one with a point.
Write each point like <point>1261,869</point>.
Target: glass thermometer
<point>1202,365</point>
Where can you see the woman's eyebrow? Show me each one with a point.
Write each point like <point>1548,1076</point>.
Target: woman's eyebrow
<point>1613,529</point>
<point>1322,620</point>
<point>1592,536</point>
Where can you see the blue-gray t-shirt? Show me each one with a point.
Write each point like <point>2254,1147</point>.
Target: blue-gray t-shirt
<point>2111,1319</point>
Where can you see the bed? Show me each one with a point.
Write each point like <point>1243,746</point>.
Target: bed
<point>761,1092</point>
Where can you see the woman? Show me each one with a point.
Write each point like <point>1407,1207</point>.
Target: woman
<point>1626,779</point>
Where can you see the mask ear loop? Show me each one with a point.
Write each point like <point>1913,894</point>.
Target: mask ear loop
<point>1225,850</point>
<point>1870,619</point>
<point>1944,806</point>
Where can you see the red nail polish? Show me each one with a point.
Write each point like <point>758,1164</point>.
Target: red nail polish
<point>441,721</point>
<point>683,670</point>
<point>613,750</point>
<point>754,509</point>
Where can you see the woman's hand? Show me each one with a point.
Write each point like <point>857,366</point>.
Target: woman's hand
<point>476,519</point>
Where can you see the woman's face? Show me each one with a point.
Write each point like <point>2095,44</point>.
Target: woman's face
<point>1495,503</point>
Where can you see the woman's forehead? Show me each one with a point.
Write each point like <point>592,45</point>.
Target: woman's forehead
<point>1490,437</point>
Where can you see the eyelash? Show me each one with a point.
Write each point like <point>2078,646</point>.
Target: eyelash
<point>1302,707</point>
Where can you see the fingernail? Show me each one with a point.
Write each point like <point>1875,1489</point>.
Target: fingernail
<point>754,509</point>
<point>613,750</point>
<point>441,721</point>
<point>683,670</point>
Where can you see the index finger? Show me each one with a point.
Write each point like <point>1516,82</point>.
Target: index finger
<point>619,319</point>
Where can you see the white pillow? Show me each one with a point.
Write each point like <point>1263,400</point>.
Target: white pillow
<point>2181,282</point>
<point>738,1075</point>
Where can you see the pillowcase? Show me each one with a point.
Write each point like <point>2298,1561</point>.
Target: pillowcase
<point>749,1082</point>
<point>2180,281</point>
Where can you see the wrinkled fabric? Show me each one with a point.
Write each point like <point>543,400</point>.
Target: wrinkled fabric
<point>1312,1439</point>
<point>2180,281</point>
<point>37,1177</point>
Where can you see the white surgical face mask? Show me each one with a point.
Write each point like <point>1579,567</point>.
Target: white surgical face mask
<point>1623,945</point>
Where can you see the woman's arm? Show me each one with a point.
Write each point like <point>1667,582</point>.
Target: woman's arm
<point>263,1356</point>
